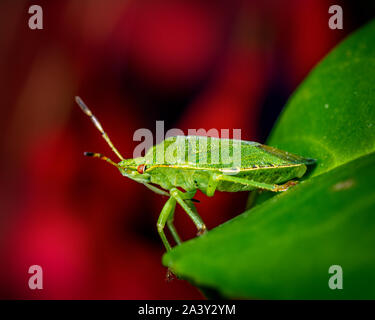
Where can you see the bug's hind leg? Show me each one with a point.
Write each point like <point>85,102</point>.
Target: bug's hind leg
<point>285,186</point>
<point>184,200</point>
<point>167,210</point>
<point>255,184</point>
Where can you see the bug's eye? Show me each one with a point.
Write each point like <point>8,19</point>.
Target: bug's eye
<point>141,168</point>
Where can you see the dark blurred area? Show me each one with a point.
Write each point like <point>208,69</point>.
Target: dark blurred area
<point>194,64</point>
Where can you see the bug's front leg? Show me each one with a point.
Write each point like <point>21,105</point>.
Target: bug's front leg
<point>167,210</point>
<point>184,200</point>
<point>172,228</point>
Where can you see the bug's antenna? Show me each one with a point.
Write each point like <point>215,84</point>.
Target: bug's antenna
<point>97,124</point>
<point>101,157</point>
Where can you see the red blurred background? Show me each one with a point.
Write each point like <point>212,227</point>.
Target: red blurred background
<point>194,64</point>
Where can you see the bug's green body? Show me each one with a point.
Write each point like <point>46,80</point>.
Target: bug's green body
<point>257,163</point>
<point>196,163</point>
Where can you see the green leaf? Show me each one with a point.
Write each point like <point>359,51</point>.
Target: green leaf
<point>331,117</point>
<point>283,247</point>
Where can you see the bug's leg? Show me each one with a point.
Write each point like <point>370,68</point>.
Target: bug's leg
<point>212,185</point>
<point>156,190</point>
<point>286,186</point>
<point>202,229</point>
<point>184,201</point>
<point>256,184</point>
<point>172,228</point>
<point>167,210</point>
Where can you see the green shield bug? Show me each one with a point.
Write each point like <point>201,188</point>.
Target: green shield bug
<point>186,163</point>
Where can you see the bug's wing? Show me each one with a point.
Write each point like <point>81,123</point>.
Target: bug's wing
<point>214,152</point>
<point>286,156</point>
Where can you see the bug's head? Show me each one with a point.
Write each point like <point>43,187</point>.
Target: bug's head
<point>134,169</point>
